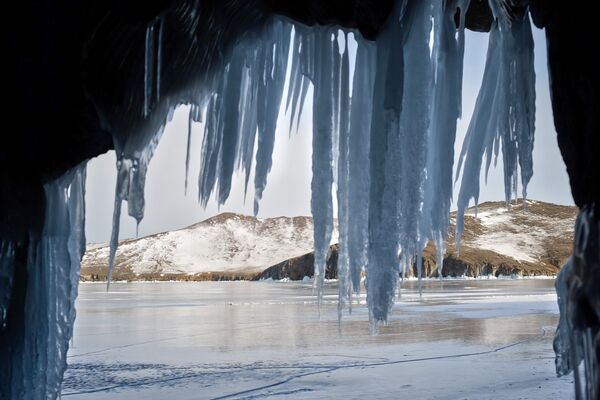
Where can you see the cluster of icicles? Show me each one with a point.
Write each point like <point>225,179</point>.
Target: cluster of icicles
<point>383,136</point>
<point>383,132</point>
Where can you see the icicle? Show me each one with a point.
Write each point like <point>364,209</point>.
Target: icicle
<point>269,99</point>
<point>135,151</point>
<point>123,168</point>
<point>210,151</point>
<point>383,265</point>
<point>230,109</point>
<point>246,100</point>
<point>248,127</point>
<point>358,160</point>
<point>187,151</point>
<point>414,125</point>
<point>419,262</point>
<point>195,115</point>
<point>295,68</point>
<point>307,55</point>
<point>440,249</point>
<point>296,79</point>
<point>337,63</point>
<point>302,101</point>
<point>345,289</point>
<point>504,111</point>
<point>447,59</point>
<point>323,125</point>
<point>133,158</point>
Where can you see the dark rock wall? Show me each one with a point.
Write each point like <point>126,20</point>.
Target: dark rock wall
<point>574,70</point>
<point>484,263</point>
<point>298,267</point>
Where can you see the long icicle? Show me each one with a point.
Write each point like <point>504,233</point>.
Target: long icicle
<point>414,127</point>
<point>447,58</point>
<point>345,289</point>
<point>323,125</point>
<point>383,228</point>
<point>358,158</point>
<point>269,100</point>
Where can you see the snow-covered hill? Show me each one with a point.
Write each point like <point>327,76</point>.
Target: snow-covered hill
<point>495,240</point>
<point>528,241</point>
<point>227,244</point>
<point>523,234</point>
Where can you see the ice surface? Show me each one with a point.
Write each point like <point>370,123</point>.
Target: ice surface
<point>175,340</point>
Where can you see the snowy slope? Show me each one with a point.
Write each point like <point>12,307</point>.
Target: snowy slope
<point>228,243</point>
<point>527,235</point>
<point>236,246</point>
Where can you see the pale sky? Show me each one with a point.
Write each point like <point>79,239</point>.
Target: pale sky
<point>288,189</point>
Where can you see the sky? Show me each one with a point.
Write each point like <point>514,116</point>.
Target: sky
<point>288,188</point>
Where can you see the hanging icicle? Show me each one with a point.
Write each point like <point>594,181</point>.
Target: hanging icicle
<point>358,160</point>
<point>414,127</point>
<point>343,183</point>
<point>324,114</point>
<point>383,226</point>
<point>447,59</point>
<point>504,112</point>
<point>269,99</point>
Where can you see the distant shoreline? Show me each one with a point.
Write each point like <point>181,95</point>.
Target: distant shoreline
<point>310,280</point>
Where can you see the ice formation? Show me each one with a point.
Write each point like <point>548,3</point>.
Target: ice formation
<point>386,146</point>
<point>448,51</point>
<point>324,74</point>
<point>504,112</point>
<point>343,180</point>
<point>357,198</point>
<point>53,277</point>
<point>576,338</point>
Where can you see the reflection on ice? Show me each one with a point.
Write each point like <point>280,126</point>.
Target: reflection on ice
<point>171,339</point>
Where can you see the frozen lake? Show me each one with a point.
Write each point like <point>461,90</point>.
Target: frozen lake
<point>470,339</point>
